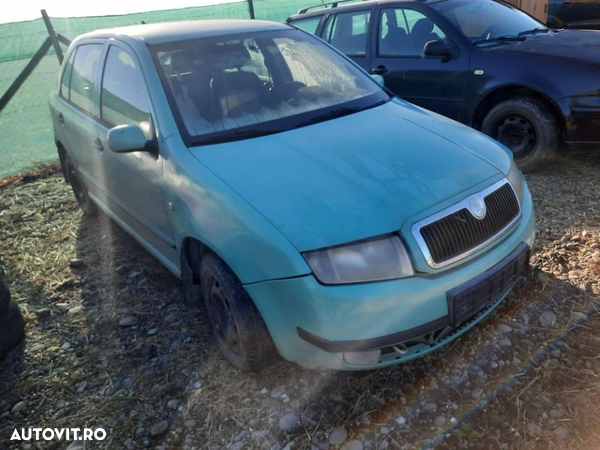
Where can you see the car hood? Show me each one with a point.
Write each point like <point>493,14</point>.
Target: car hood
<point>357,176</point>
<point>576,45</point>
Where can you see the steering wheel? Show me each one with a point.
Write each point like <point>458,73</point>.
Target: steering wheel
<point>286,91</point>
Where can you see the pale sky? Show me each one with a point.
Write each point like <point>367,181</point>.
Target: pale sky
<point>30,9</point>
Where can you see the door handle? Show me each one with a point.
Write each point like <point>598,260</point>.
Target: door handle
<point>61,118</point>
<point>98,145</point>
<point>379,70</point>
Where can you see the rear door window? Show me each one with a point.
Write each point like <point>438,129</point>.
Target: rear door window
<point>348,32</point>
<point>310,25</point>
<point>83,76</point>
<point>66,76</point>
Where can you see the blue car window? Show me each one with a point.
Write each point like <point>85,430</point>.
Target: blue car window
<point>123,99</point>
<point>348,32</point>
<point>224,86</point>
<point>404,32</point>
<point>486,19</point>
<point>84,74</point>
<point>65,82</point>
<point>309,25</point>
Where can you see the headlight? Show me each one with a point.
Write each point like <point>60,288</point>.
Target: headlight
<point>515,178</point>
<point>376,259</point>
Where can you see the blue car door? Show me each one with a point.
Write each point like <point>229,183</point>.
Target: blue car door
<point>133,181</point>
<point>436,83</point>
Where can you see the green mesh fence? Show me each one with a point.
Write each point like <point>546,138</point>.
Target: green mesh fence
<point>26,138</point>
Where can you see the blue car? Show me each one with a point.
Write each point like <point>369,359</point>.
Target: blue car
<point>318,217</point>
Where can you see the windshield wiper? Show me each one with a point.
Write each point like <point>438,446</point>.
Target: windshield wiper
<point>237,135</point>
<point>340,112</point>
<point>500,39</point>
<point>534,31</point>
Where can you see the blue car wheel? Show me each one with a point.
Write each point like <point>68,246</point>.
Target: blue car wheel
<point>238,326</point>
<point>88,207</point>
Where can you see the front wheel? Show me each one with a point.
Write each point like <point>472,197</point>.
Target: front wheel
<point>238,326</point>
<point>527,127</point>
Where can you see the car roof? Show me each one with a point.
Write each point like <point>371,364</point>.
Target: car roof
<point>160,33</point>
<point>305,13</point>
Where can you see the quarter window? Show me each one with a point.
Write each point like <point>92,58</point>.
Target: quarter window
<point>123,97</point>
<point>348,32</point>
<point>83,76</point>
<point>404,32</point>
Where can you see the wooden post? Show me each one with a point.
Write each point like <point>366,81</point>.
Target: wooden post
<point>14,87</point>
<point>63,39</point>
<point>52,34</point>
<point>251,8</point>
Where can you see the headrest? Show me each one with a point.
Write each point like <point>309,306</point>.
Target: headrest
<point>182,62</point>
<point>231,56</point>
<point>423,26</point>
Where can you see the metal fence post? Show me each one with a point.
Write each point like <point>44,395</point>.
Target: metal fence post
<point>52,34</point>
<point>251,8</point>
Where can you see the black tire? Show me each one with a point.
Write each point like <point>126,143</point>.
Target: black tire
<point>4,298</point>
<point>527,126</point>
<point>80,190</point>
<point>12,328</point>
<point>238,326</point>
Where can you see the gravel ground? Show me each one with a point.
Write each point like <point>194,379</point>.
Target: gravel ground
<point>109,344</point>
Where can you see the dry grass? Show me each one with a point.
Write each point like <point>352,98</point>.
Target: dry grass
<point>122,378</point>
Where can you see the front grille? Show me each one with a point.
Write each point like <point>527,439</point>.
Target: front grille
<point>460,231</point>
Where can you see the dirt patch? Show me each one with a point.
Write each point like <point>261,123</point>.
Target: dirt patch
<point>110,344</point>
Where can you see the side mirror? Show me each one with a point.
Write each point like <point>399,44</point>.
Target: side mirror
<point>437,48</point>
<point>126,139</point>
<point>378,79</point>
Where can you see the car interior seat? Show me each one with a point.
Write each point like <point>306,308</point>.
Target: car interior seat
<point>234,91</point>
<point>421,34</point>
<point>394,42</point>
<point>191,80</point>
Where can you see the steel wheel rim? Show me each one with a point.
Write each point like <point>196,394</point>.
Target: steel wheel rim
<point>517,133</point>
<point>222,318</point>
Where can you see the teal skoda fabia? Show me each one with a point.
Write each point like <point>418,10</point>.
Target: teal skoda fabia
<point>315,215</point>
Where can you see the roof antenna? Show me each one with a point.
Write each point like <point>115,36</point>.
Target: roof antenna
<point>143,22</point>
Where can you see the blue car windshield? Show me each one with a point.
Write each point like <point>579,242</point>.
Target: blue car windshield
<point>236,87</point>
<point>488,20</point>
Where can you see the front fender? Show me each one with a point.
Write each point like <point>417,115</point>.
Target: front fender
<point>206,209</point>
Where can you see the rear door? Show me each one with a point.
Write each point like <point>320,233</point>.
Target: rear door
<point>436,83</point>
<point>76,109</point>
<point>133,181</point>
<point>349,32</point>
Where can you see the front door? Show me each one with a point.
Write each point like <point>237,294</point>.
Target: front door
<point>435,83</point>
<point>133,181</point>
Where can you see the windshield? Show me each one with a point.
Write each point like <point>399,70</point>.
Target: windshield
<point>487,20</point>
<point>236,87</point>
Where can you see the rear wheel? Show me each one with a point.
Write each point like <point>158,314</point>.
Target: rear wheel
<point>80,191</point>
<point>4,298</point>
<point>526,126</point>
<point>238,326</point>
<point>12,326</point>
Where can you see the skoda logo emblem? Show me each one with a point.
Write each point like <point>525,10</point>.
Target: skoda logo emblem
<point>477,207</point>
